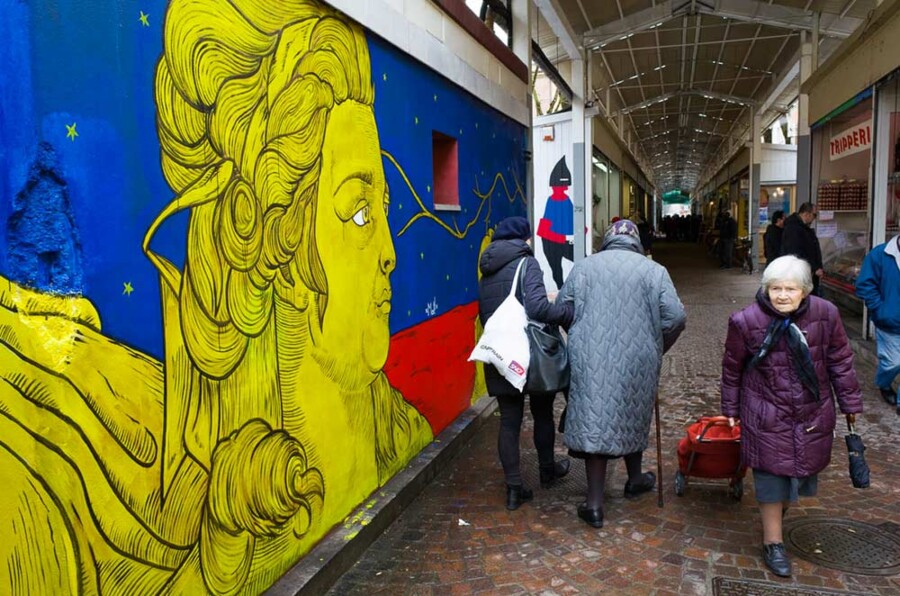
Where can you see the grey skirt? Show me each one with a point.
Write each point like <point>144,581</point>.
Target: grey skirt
<point>770,488</point>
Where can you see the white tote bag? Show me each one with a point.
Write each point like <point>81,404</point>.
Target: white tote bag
<point>504,342</point>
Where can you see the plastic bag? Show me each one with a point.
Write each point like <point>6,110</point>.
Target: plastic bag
<point>504,342</point>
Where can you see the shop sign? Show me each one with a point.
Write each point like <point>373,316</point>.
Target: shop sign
<point>853,140</point>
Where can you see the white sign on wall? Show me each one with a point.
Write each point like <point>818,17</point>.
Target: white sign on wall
<point>853,140</point>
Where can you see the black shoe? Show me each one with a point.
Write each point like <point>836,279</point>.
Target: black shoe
<point>550,474</point>
<point>516,495</point>
<point>888,395</point>
<point>776,559</point>
<point>646,483</point>
<point>592,517</point>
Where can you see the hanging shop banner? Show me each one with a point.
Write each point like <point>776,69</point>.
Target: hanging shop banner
<point>853,140</point>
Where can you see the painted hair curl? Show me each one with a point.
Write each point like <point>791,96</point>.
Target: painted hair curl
<point>243,92</point>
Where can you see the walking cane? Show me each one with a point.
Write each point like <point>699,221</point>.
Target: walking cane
<point>659,468</point>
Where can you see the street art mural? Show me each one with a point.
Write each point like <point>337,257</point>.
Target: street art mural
<point>228,310</point>
<point>556,227</point>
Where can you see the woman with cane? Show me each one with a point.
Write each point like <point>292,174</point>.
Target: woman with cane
<point>627,314</point>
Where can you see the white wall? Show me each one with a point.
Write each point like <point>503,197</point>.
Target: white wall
<point>545,155</point>
<point>422,30</point>
<point>779,164</point>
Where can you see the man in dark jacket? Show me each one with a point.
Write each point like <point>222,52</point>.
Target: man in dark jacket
<point>800,240</point>
<point>511,244</point>
<point>727,236</point>
<point>879,285</point>
<point>772,237</point>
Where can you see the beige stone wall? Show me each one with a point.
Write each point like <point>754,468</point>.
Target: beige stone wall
<point>421,29</point>
<point>864,58</point>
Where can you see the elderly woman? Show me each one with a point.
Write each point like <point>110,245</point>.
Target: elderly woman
<point>627,314</point>
<point>785,356</point>
<point>510,246</point>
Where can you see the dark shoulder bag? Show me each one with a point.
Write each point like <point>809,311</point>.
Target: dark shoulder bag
<point>549,368</point>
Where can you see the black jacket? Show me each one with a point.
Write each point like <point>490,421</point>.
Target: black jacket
<point>772,240</point>
<point>498,267</point>
<point>800,240</point>
<point>729,229</point>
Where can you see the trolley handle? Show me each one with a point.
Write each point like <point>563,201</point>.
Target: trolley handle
<point>716,421</point>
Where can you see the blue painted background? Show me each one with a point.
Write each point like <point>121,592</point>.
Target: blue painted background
<point>92,63</point>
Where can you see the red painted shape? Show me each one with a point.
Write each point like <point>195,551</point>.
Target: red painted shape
<point>445,168</point>
<point>429,365</point>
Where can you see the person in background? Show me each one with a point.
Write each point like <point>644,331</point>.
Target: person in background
<point>510,245</point>
<point>772,237</point>
<point>627,314</point>
<point>879,285</point>
<point>786,355</point>
<point>800,240</point>
<point>727,236</point>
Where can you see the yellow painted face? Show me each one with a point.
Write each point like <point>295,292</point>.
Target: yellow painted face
<point>354,243</point>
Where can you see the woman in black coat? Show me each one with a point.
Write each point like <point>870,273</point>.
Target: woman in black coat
<point>511,244</point>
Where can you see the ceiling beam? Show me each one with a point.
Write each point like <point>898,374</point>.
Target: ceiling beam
<point>633,23</point>
<point>782,83</point>
<point>734,99</point>
<point>557,20</point>
<point>752,11</point>
<point>777,15</point>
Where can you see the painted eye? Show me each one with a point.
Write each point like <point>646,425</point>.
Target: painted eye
<point>361,217</point>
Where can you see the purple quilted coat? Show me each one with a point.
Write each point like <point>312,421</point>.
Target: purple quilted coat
<point>784,430</point>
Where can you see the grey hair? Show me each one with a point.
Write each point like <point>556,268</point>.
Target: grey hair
<point>788,268</point>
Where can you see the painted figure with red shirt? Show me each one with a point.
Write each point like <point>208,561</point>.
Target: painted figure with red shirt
<point>556,229</point>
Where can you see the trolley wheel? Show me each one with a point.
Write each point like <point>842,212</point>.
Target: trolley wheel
<point>737,489</point>
<point>680,483</point>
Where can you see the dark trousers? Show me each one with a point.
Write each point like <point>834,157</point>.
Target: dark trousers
<point>727,248</point>
<point>512,409</point>
<point>555,251</point>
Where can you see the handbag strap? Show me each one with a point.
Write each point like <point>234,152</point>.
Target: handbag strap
<point>512,290</point>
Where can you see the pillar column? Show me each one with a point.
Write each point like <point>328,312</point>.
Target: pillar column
<point>578,150</point>
<point>755,168</point>
<point>804,145</point>
<point>522,12</point>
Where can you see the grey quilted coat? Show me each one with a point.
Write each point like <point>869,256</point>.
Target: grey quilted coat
<point>627,314</point>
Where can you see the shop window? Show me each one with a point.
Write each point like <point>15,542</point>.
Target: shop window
<point>445,171</point>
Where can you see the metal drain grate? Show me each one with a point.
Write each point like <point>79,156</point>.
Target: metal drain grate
<point>726,586</point>
<point>844,545</point>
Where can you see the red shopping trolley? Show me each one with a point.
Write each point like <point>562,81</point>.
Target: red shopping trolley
<point>711,449</point>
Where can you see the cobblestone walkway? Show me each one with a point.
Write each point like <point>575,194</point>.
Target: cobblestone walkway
<point>457,537</point>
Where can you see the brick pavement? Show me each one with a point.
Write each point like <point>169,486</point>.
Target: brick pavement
<point>457,537</point>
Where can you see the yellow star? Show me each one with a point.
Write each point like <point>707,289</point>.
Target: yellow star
<point>144,19</point>
<point>448,278</point>
<point>71,133</point>
<point>435,97</point>
<point>128,288</point>
<point>384,77</point>
<point>422,255</point>
<point>417,120</point>
<point>460,132</point>
<point>428,188</point>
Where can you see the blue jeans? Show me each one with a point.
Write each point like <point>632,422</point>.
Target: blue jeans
<point>888,358</point>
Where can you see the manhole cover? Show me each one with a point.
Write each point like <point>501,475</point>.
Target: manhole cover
<point>844,545</point>
<point>726,586</point>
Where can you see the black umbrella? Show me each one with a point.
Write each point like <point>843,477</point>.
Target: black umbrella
<point>859,469</point>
